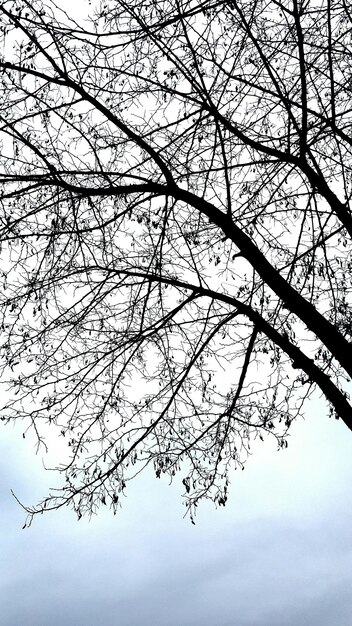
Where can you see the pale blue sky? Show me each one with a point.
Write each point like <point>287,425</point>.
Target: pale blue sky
<point>280,554</point>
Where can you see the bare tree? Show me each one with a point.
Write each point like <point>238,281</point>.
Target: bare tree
<point>176,232</point>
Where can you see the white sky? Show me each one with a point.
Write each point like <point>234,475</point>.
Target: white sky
<point>280,553</point>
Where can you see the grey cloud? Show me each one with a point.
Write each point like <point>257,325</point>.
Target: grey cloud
<point>278,555</point>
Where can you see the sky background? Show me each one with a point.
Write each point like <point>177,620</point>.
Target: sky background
<point>279,554</point>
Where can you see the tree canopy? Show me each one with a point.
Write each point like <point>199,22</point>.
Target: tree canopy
<point>176,232</point>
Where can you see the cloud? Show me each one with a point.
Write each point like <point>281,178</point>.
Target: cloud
<point>278,555</point>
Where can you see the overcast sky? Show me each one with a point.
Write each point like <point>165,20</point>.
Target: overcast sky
<point>279,554</point>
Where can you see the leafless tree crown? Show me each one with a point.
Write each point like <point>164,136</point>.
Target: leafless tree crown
<point>175,182</point>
